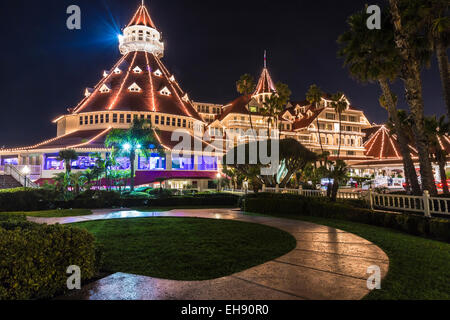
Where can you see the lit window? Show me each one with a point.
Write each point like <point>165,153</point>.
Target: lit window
<point>115,118</point>
<point>86,120</point>
<point>162,120</point>
<point>179,122</point>
<point>184,123</point>
<point>128,118</point>
<point>96,118</point>
<point>91,119</point>
<point>102,118</point>
<point>107,118</point>
<point>167,121</point>
<point>122,118</point>
<point>156,119</point>
<point>174,122</point>
<point>81,121</point>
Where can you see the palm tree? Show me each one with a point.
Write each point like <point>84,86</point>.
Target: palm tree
<point>340,105</point>
<point>402,128</point>
<point>139,139</point>
<point>339,173</point>
<point>275,105</point>
<point>68,155</point>
<point>314,97</point>
<point>432,17</point>
<point>412,54</point>
<point>436,130</point>
<point>246,86</point>
<point>90,176</point>
<point>371,56</point>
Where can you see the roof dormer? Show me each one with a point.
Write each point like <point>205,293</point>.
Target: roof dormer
<point>88,92</point>
<point>185,98</point>
<point>117,71</point>
<point>165,92</point>
<point>158,73</point>
<point>105,74</point>
<point>137,70</point>
<point>172,78</point>
<point>105,88</point>
<point>134,88</point>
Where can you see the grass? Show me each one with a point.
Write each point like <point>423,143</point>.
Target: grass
<point>53,213</point>
<point>186,248</point>
<point>419,268</point>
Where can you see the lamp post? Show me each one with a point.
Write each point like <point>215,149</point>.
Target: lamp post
<point>26,171</point>
<point>218,182</point>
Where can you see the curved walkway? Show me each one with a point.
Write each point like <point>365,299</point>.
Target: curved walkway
<point>327,264</point>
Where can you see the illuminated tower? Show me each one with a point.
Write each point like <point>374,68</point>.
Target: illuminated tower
<point>265,87</point>
<point>141,35</point>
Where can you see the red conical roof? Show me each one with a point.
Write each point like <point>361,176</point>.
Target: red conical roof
<point>142,18</point>
<point>382,145</point>
<point>155,89</point>
<point>265,83</point>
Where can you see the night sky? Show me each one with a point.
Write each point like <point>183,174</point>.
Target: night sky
<point>209,44</point>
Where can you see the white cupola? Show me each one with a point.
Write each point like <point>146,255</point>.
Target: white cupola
<point>141,35</point>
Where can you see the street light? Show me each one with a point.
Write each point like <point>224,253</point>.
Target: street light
<point>26,171</point>
<point>127,146</point>
<point>218,182</point>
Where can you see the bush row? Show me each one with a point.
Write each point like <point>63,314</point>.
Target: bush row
<point>34,258</point>
<point>39,199</point>
<point>274,204</point>
<point>211,200</point>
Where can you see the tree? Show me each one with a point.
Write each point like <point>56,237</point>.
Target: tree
<point>246,86</point>
<point>402,128</point>
<point>371,56</point>
<point>68,155</point>
<point>293,157</point>
<point>275,105</point>
<point>314,97</point>
<point>413,53</point>
<point>139,139</point>
<point>436,130</point>
<point>340,105</point>
<point>431,18</point>
<point>339,173</point>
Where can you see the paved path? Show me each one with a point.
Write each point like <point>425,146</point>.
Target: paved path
<point>326,264</point>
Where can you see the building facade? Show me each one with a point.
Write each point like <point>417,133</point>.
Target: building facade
<point>139,86</point>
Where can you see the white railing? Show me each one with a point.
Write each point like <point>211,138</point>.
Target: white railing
<point>426,204</point>
<point>17,175</point>
<point>423,204</point>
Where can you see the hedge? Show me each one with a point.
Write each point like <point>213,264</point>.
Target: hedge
<point>34,259</point>
<point>281,204</point>
<point>219,199</point>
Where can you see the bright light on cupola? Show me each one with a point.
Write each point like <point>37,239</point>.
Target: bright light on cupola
<point>134,88</point>
<point>105,88</point>
<point>158,73</point>
<point>137,70</point>
<point>165,92</point>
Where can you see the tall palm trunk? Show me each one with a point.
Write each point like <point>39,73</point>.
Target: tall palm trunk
<point>411,77</point>
<point>340,136</point>
<point>410,170</point>
<point>442,162</point>
<point>442,58</point>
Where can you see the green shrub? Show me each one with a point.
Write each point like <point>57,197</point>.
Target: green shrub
<point>34,259</point>
<point>276,204</point>
<point>26,200</point>
<point>211,200</point>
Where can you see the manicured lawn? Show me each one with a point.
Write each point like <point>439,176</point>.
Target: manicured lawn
<point>419,268</point>
<point>53,213</point>
<point>186,248</point>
